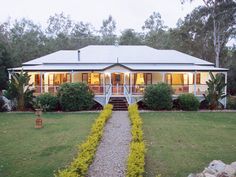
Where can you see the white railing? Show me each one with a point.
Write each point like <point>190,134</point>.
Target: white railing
<point>117,89</point>
<point>127,94</point>
<point>108,93</point>
<point>45,88</point>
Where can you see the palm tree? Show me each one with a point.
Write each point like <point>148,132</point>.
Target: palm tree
<point>20,85</point>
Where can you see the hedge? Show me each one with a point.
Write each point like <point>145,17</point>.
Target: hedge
<point>188,102</point>
<point>158,96</point>
<point>136,158</point>
<point>75,96</point>
<point>87,150</point>
<point>48,102</point>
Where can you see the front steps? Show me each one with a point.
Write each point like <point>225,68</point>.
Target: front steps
<point>119,103</point>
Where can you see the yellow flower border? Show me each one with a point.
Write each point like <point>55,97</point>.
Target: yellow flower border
<point>136,158</point>
<point>87,150</point>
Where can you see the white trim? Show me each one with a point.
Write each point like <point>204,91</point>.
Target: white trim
<point>195,82</point>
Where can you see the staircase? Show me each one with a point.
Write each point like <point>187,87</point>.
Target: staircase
<point>119,103</point>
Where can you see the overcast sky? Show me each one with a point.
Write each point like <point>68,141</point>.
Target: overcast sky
<point>127,13</point>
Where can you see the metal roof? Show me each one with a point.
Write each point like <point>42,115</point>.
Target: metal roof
<point>172,67</point>
<point>118,54</point>
<point>131,67</point>
<point>62,67</point>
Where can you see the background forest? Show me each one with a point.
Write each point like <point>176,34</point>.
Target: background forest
<point>196,34</point>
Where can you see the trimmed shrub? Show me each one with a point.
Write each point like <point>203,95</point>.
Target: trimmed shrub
<point>231,104</point>
<point>87,150</point>
<point>158,96</point>
<point>48,102</point>
<point>136,158</point>
<point>188,102</point>
<point>75,97</point>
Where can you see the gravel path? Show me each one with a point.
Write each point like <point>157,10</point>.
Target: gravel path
<point>112,153</point>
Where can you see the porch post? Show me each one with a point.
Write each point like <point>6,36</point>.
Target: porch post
<point>104,85</point>
<point>109,77</point>
<point>163,76</point>
<point>9,75</point>
<point>225,99</point>
<point>41,82</point>
<point>195,83</point>
<point>131,82</point>
<point>72,76</point>
<point>45,82</point>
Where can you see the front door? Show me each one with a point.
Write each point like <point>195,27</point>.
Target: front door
<point>117,80</point>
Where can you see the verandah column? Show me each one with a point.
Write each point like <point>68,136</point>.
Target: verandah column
<point>225,99</point>
<point>163,76</point>
<point>72,76</point>
<point>103,83</point>
<point>195,83</point>
<point>131,87</point>
<point>41,82</point>
<point>9,75</point>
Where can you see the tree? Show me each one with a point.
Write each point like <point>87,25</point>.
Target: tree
<point>231,64</point>
<point>27,41</point>
<point>19,89</point>
<point>154,22</point>
<point>82,35</point>
<point>108,31</point>
<point>193,35</point>
<point>215,90</point>
<point>130,37</point>
<point>156,36</point>
<point>5,62</point>
<point>59,24</point>
<point>222,18</point>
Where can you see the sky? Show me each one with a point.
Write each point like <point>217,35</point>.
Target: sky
<point>127,13</point>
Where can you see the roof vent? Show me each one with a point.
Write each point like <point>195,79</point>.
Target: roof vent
<point>78,55</point>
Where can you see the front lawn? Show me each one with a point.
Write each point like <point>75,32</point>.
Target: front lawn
<point>26,151</point>
<point>180,143</point>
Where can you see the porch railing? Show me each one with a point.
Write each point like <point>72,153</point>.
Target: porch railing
<point>108,93</point>
<point>127,90</point>
<point>127,94</point>
<point>117,89</point>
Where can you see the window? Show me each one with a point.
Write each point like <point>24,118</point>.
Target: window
<point>50,79</point>
<point>37,80</point>
<point>198,78</point>
<point>94,78</point>
<point>148,79</point>
<point>140,79</point>
<point>85,78</point>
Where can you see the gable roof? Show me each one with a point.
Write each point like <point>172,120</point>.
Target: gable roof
<point>110,54</point>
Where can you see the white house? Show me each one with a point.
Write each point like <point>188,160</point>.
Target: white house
<point>120,71</point>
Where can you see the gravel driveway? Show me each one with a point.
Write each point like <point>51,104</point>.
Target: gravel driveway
<point>112,153</point>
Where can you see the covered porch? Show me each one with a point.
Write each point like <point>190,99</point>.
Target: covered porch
<point>129,84</point>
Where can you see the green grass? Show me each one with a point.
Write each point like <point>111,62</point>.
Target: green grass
<point>182,143</point>
<point>26,151</point>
